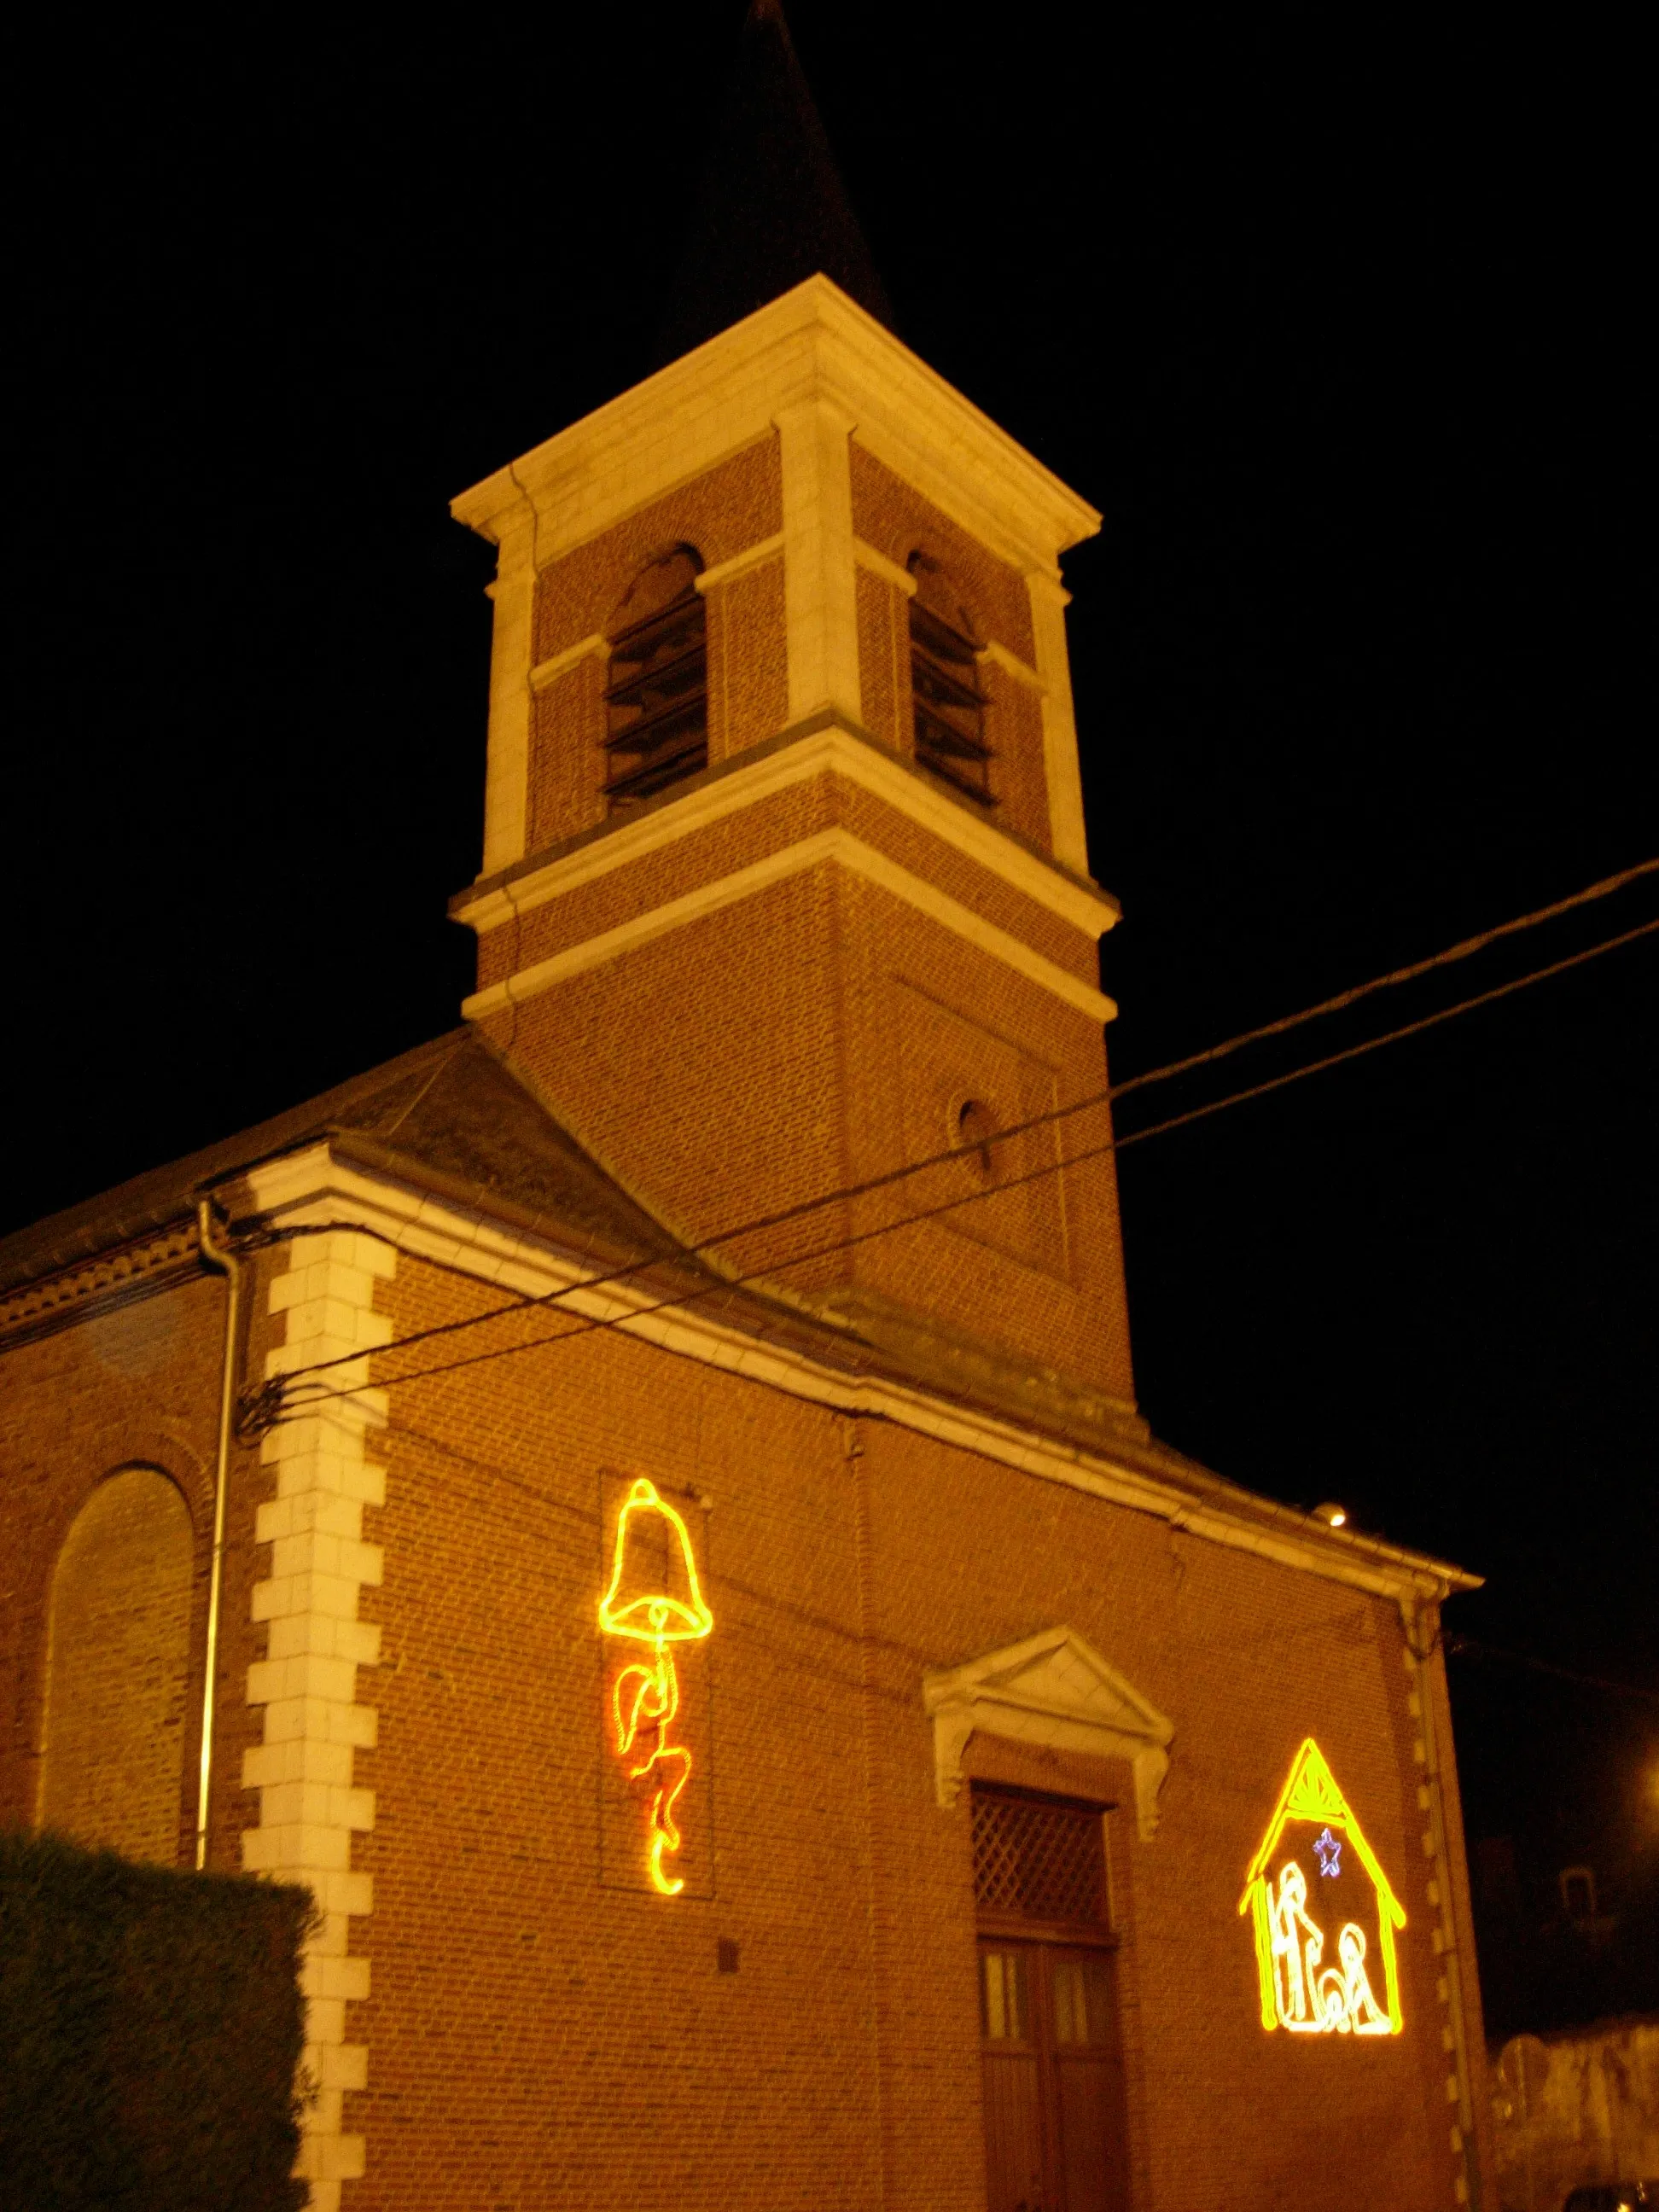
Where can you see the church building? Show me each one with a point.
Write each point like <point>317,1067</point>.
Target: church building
<point>639,1503</point>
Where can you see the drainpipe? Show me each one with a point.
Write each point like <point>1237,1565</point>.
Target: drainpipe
<point>1422,1639</point>
<point>217,1256</point>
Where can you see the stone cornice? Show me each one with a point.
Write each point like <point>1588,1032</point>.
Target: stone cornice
<point>792,758</point>
<point>114,1278</point>
<point>837,846</point>
<point>813,344</point>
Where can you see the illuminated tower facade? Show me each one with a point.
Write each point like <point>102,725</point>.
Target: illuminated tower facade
<point>785,885</point>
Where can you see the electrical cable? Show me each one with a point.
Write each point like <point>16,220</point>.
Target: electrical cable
<point>1471,1647</point>
<point>1463,949</point>
<point>589,1324</point>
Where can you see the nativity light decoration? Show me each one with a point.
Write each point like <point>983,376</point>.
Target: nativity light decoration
<point>1300,1988</point>
<point>644,1699</point>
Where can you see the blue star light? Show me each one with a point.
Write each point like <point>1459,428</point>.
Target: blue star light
<point>1328,1851</point>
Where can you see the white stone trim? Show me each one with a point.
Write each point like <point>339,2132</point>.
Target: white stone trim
<point>1050,600</point>
<point>507,776</point>
<point>309,1808</point>
<point>879,565</point>
<point>828,751</point>
<point>819,596</point>
<point>999,657</point>
<point>812,343</point>
<point>312,1186</point>
<point>586,649</point>
<point>1056,1690</point>
<point>836,845</point>
<point>752,557</point>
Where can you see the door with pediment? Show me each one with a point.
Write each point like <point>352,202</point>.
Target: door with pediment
<point>1051,2053</point>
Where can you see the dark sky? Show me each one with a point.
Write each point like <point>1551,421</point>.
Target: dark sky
<point>1342,327</point>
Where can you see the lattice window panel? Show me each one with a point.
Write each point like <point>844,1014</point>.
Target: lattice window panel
<point>1044,1862</point>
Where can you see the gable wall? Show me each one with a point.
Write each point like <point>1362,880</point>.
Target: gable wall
<point>540,2031</point>
<point>136,1386</point>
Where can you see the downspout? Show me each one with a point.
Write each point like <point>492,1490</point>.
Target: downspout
<point>213,1255</point>
<point>1417,1619</point>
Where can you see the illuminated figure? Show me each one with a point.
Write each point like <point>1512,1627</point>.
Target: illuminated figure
<point>643,1698</point>
<point>1299,1990</point>
<point>1307,1998</point>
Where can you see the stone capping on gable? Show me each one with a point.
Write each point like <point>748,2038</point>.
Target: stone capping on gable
<point>312,1186</point>
<point>1055,1689</point>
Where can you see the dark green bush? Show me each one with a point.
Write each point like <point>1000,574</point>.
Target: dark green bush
<point>150,2024</point>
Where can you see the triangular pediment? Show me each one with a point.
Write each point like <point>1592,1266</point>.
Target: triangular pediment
<point>1055,1690</point>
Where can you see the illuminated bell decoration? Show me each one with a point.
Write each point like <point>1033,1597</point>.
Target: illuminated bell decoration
<point>634,1605</point>
<point>641,1604</point>
<point>1301,1989</point>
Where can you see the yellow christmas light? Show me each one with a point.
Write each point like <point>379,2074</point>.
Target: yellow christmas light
<point>644,1696</point>
<point>1299,1990</point>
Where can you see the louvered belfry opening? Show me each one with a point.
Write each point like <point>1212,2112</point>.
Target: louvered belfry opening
<point>950,706</point>
<point>656,701</point>
<point>1038,1858</point>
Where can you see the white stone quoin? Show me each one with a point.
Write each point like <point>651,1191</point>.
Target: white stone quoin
<point>309,1808</point>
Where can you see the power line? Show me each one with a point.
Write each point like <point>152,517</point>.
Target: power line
<point>1462,950</point>
<point>1471,1647</point>
<point>590,1325</point>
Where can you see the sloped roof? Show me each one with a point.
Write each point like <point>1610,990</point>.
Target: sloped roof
<point>455,1118</point>
<point>451,1113</point>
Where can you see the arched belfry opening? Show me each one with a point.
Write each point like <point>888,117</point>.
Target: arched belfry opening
<point>948,705</point>
<point>656,700</point>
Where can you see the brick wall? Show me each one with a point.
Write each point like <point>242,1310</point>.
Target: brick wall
<point>137,1385</point>
<point>118,1669</point>
<point>543,2032</point>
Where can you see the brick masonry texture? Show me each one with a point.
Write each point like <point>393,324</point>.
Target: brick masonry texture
<point>566,755</point>
<point>118,1668</point>
<point>721,848</point>
<point>748,672</point>
<point>884,661</point>
<point>1014,729</point>
<point>720,513</point>
<point>893,517</point>
<point>137,1386</point>
<point>537,2038</point>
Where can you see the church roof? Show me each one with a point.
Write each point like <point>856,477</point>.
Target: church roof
<point>453,1119</point>
<point>450,1115</point>
<point>771,209</point>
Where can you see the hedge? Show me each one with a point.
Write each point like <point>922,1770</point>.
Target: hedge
<point>151,2028</point>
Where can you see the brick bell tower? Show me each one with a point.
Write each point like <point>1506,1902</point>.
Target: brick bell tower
<point>784,883</point>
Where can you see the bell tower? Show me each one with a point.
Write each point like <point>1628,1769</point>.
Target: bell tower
<point>785,887</point>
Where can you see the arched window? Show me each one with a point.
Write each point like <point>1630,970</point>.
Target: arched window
<point>657,699</point>
<point>118,1668</point>
<point>950,706</point>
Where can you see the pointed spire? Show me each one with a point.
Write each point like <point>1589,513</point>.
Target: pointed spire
<point>772,209</point>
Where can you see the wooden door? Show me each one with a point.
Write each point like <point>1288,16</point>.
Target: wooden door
<point>1053,2100</point>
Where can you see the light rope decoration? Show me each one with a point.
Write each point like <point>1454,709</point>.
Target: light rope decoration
<point>648,1696</point>
<point>1299,1990</point>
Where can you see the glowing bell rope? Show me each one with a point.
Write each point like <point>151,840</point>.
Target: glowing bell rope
<point>648,1696</point>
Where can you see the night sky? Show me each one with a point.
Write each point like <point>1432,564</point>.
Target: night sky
<point>1343,331</point>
